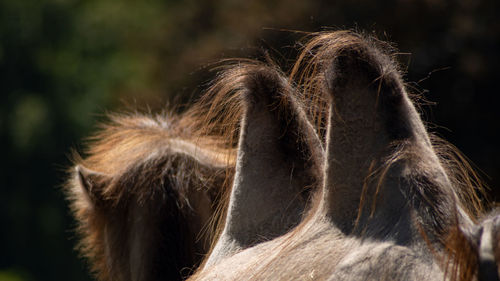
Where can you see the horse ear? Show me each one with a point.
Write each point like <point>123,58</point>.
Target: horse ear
<point>90,183</point>
<point>379,156</point>
<point>279,156</point>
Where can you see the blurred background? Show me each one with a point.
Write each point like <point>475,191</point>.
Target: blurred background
<point>65,63</point>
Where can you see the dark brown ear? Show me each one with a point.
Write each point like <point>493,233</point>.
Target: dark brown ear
<point>91,183</point>
<point>279,157</point>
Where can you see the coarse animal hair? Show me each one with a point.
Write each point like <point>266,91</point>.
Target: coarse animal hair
<point>177,170</point>
<point>164,162</point>
<point>460,258</point>
<point>141,163</point>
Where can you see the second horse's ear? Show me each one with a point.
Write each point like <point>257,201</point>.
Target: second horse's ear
<point>90,183</point>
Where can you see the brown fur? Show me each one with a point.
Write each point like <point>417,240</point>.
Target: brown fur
<point>132,156</point>
<point>133,163</point>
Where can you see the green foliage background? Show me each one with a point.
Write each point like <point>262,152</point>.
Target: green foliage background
<point>64,63</point>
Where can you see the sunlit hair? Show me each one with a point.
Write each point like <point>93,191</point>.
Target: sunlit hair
<point>143,157</point>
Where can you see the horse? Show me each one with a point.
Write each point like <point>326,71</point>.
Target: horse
<point>144,197</point>
<point>327,174</point>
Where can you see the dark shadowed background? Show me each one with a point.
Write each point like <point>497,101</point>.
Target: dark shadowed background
<point>64,63</point>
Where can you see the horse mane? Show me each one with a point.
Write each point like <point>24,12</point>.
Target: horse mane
<point>197,149</point>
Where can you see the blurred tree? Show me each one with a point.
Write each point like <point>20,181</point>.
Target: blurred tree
<point>63,63</point>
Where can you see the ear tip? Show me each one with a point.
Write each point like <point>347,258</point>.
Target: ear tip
<point>264,84</point>
<point>358,63</point>
<point>81,176</point>
<point>82,172</point>
<point>87,178</point>
<point>78,169</point>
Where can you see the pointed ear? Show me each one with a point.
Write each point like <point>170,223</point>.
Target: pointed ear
<point>379,156</point>
<point>279,157</point>
<point>90,184</point>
